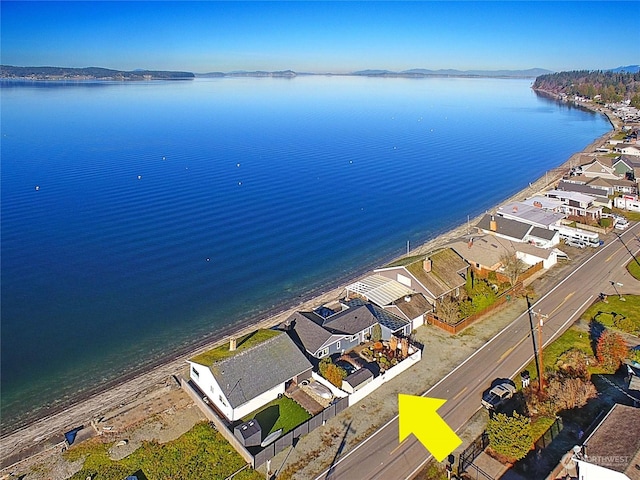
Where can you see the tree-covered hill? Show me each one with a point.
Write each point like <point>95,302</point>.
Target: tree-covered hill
<point>611,86</point>
<point>97,73</point>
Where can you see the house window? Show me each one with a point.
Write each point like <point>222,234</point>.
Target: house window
<point>338,345</point>
<point>324,353</point>
<point>222,400</point>
<point>354,338</point>
<point>194,373</point>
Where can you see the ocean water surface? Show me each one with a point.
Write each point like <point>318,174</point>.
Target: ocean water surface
<point>138,218</point>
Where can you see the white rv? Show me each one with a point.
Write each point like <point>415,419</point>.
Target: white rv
<point>577,236</point>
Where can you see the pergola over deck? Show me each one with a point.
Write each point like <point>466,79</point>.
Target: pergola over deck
<point>379,290</point>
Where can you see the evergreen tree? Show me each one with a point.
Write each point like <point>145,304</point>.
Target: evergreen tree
<point>510,435</point>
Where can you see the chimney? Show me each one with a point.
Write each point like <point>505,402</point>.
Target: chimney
<point>427,265</point>
<point>232,345</point>
<point>493,226</point>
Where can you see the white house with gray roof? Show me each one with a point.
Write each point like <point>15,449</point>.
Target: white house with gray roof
<point>249,373</point>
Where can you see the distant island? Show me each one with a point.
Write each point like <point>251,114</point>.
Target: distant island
<point>88,73</point>
<point>98,73</point>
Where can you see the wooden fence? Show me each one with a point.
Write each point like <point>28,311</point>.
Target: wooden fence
<point>465,322</point>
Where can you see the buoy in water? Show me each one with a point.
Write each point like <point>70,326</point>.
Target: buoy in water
<point>37,187</point>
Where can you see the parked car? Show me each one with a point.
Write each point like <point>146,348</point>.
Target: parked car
<point>498,395</point>
<point>576,244</point>
<point>346,366</point>
<point>621,224</point>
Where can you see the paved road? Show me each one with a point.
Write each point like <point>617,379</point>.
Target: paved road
<point>380,456</point>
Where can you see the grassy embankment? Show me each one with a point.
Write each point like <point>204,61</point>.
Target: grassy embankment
<point>201,453</point>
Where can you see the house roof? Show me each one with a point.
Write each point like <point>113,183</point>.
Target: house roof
<point>486,251</point>
<point>505,227</point>
<point>582,188</point>
<point>444,276</point>
<point>545,203</point>
<point>307,331</point>
<point>629,160</point>
<point>570,195</point>
<point>257,369</point>
<point>359,377</point>
<point>543,233</point>
<point>379,290</point>
<point>530,214</point>
<point>351,321</point>
<point>382,316</point>
<point>617,437</point>
<point>416,306</point>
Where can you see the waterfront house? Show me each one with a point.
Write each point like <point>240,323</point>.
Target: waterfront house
<point>248,373</point>
<point>628,166</point>
<point>598,193</point>
<point>486,253</point>
<point>332,333</point>
<point>628,149</point>
<point>533,214</point>
<point>502,227</point>
<point>392,296</point>
<point>576,203</point>
<point>598,168</point>
<point>435,275</point>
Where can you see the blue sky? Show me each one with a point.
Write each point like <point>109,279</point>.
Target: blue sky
<point>320,36</point>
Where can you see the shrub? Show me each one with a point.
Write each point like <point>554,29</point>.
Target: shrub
<point>376,333</point>
<point>510,435</point>
<point>332,372</point>
<point>611,350</point>
<point>566,393</point>
<point>625,324</point>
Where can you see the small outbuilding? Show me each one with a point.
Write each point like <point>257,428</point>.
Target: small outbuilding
<point>249,433</point>
<point>357,380</point>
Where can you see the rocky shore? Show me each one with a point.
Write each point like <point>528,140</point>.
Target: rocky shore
<point>133,401</point>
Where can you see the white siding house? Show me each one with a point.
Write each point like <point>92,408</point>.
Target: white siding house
<point>239,380</point>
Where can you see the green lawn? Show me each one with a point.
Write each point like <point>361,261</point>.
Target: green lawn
<point>572,338</point>
<point>634,268</point>
<point>617,314</point>
<point>281,413</point>
<point>201,453</point>
<point>244,343</point>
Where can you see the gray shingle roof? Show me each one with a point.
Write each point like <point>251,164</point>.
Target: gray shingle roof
<point>382,316</point>
<point>543,233</point>
<point>351,321</point>
<point>252,372</point>
<point>505,226</point>
<point>308,333</point>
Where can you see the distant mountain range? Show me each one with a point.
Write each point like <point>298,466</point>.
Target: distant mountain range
<point>627,69</point>
<point>422,72</point>
<point>416,72</point>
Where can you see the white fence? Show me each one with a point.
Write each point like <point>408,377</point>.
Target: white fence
<point>377,382</point>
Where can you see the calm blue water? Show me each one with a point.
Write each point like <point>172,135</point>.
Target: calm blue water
<point>166,211</point>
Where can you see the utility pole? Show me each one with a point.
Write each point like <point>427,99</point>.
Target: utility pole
<point>541,318</point>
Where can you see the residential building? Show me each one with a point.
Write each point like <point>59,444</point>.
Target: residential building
<point>392,296</point>
<point>532,214</point>
<point>337,333</point>
<point>435,275</point>
<point>249,373</point>
<point>577,204</point>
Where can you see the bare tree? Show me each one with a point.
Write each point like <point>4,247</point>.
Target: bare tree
<point>512,267</point>
<point>448,310</point>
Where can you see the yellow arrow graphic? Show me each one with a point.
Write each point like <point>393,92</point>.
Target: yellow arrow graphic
<point>418,415</point>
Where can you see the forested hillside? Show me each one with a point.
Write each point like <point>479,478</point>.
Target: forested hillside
<point>611,86</point>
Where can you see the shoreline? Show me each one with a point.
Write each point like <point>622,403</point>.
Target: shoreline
<point>42,431</point>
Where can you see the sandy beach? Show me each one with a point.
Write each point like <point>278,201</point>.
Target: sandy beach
<point>144,393</point>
